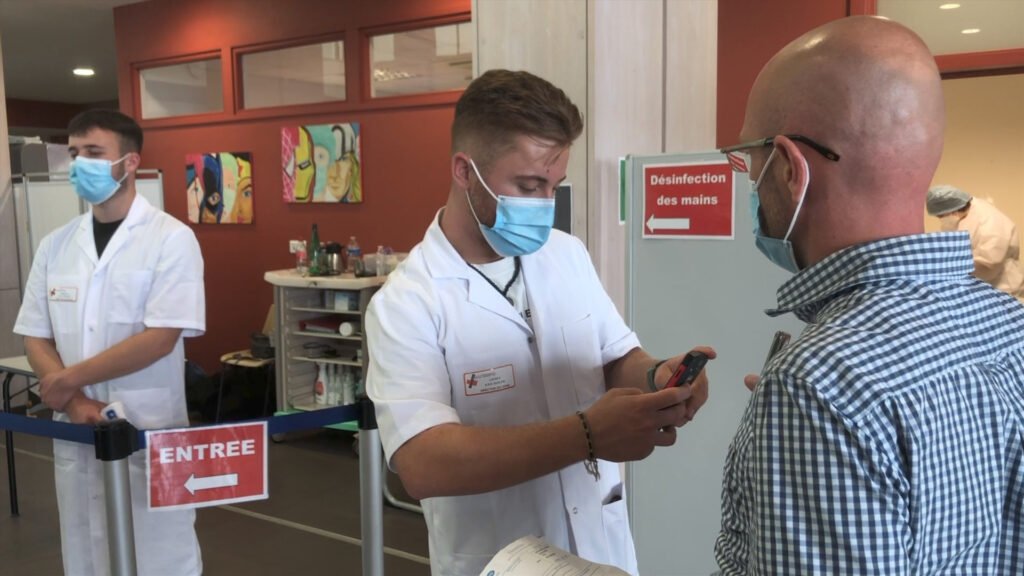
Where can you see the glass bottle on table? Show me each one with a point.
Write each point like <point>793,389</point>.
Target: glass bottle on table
<point>315,253</point>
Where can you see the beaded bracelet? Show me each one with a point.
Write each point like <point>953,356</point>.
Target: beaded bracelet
<point>591,462</point>
<point>650,375</point>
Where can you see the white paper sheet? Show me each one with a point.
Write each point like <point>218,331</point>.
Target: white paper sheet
<point>531,556</point>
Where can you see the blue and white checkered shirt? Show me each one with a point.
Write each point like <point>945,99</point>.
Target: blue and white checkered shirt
<point>889,438</point>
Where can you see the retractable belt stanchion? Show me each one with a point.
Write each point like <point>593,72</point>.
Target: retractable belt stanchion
<point>115,442</point>
<point>12,479</point>
<point>372,507</point>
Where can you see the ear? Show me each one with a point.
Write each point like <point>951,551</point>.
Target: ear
<point>795,170</point>
<point>132,162</point>
<point>461,170</point>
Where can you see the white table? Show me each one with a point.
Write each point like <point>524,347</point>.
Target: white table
<point>9,368</point>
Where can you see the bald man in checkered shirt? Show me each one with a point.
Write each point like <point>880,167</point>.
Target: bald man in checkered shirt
<point>889,437</point>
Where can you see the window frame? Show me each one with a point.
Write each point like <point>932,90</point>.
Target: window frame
<point>225,75</point>
<point>407,99</point>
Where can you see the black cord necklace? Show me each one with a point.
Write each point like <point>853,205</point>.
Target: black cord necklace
<point>504,293</point>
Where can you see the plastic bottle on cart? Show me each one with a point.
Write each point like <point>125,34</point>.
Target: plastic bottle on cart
<point>380,262</point>
<point>349,387</point>
<point>329,385</point>
<point>339,372</point>
<point>390,260</point>
<point>355,256</point>
<point>301,258</point>
<point>337,385</point>
<point>320,385</point>
<point>360,387</point>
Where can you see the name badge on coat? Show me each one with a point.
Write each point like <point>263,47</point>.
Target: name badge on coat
<point>490,380</point>
<point>63,294</point>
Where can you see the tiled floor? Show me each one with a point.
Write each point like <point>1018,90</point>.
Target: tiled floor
<point>300,530</point>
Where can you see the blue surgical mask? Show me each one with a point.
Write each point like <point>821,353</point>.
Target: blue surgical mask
<point>521,225</point>
<point>778,250</point>
<point>92,179</point>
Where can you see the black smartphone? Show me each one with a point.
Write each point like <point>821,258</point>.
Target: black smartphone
<point>688,370</point>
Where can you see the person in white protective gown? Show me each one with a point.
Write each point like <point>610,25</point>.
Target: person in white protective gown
<point>995,243</point>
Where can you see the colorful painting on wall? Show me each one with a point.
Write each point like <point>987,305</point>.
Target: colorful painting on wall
<point>219,188</point>
<point>321,163</point>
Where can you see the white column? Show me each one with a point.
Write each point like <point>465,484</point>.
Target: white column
<point>10,293</point>
<point>652,90</point>
<point>626,116</point>
<point>691,75</point>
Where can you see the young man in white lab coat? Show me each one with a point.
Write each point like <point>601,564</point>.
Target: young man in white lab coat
<point>108,300</point>
<point>504,377</point>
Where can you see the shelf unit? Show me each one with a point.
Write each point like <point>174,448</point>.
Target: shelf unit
<point>328,335</point>
<point>327,311</point>
<point>298,298</point>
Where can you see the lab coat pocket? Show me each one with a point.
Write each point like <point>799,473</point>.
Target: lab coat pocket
<point>584,360</point>
<point>128,293</point>
<point>616,531</point>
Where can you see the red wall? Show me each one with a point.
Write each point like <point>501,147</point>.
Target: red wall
<point>749,33</point>
<point>37,114</point>
<point>404,144</point>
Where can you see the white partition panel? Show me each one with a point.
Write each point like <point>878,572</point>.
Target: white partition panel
<point>45,202</point>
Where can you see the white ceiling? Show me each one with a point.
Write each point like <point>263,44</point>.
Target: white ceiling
<point>43,40</point>
<point>1001,23</point>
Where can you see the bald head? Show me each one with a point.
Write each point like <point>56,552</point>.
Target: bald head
<point>867,88</point>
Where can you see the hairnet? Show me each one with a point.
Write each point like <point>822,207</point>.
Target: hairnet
<point>945,199</point>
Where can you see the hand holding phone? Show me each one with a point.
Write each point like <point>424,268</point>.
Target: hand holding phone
<point>688,370</point>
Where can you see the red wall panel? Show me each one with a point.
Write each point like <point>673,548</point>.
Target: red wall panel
<point>37,114</point>
<point>405,149</point>
<point>749,33</point>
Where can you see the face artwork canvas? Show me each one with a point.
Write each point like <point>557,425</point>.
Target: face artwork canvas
<point>219,188</point>
<point>321,163</point>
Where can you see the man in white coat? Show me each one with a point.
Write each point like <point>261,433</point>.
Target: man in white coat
<point>504,378</point>
<point>994,240</point>
<point>108,301</point>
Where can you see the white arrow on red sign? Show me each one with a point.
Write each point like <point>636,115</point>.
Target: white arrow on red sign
<point>667,223</point>
<point>221,481</point>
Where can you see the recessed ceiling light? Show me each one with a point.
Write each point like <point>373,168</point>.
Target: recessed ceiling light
<point>83,72</point>
<point>949,6</point>
<point>970,30</point>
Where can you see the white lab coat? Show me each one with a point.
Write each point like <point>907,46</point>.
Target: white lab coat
<point>996,247</point>
<point>150,275</point>
<point>435,325</point>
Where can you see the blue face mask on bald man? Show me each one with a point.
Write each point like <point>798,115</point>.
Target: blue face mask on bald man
<point>778,250</point>
<point>521,225</point>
